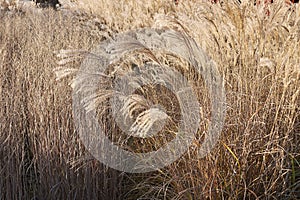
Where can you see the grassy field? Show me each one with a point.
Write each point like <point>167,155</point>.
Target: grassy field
<point>257,54</point>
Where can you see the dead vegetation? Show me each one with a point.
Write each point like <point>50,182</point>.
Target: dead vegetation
<point>257,156</point>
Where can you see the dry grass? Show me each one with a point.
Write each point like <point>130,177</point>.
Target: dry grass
<point>40,149</point>
<point>258,155</point>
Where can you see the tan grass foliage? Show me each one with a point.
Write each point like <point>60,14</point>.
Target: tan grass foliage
<point>8,5</point>
<point>258,56</point>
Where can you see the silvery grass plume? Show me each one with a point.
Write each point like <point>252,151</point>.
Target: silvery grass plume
<point>146,120</point>
<point>135,55</point>
<point>132,103</point>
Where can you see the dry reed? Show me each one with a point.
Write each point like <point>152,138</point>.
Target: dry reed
<point>258,155</point>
